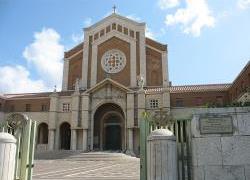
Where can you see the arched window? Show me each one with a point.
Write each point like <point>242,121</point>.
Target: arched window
<point>42,134</point>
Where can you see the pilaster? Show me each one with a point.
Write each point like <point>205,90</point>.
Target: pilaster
<point>133,64</point>
<point>85,61</point>
<point>65,74</point>
<point>141,104</point>
<point>130,110</point>
<point>165,69</point>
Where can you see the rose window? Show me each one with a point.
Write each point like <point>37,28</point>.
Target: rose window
<point>113,61</point>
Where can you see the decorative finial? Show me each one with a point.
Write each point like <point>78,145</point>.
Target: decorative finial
<point>114,9</point>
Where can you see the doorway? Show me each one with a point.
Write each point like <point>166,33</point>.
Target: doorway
<point>113,137</point>
<point>65,134</point>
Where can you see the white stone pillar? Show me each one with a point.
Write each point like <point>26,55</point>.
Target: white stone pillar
<point>54,142</point>
<point>143,55</point>
<point>161,155</point>
<point>65,74</point>
<point>85,140</point>
<point>130,150</point>
<point>133,64</point>
<point>93,66</point>
<point>73,139</point>
<point>165,69</point>
<point>85,61</point>
<point>51,139</point>
<point>75,109</point>
<point>85,120</point>
<point>141,104</point>
<point>130,110</point>
<point>166,98</point>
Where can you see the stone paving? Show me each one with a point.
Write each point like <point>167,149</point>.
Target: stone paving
<point>118,168</point>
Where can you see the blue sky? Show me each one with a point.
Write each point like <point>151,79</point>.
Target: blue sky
<point>208,40</point>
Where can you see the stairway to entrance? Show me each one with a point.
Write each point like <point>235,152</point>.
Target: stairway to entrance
<point>76,165</point>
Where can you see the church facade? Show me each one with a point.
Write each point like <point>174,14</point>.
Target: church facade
<point>109,80</point>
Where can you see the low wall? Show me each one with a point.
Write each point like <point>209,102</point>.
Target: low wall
<point>218,153</point>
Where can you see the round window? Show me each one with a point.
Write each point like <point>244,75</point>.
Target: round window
<point>113,61</point>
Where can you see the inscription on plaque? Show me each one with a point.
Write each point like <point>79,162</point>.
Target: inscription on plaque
<point>216,125</point>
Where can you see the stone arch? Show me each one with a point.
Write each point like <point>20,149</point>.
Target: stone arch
<point>42,133</point>
<point>65,136</point>
<point>109,127</point>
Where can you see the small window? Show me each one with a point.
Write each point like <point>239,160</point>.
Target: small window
<point>27,107</point>
<point>131,33</point>
<point>44,107</point>
<point>154,103</point>
<point>114,26</point>
<point>125,30</point>
<point>179,102</point>
<point>107,29</point>
<point>102,32</point>
<point>96,36</point>
<point>119,28</point>
<point>66,107</point>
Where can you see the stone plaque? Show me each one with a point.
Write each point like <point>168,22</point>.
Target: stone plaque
<point>216,125</point>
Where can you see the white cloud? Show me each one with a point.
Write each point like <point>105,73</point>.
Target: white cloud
<point>87,22</point>
<point>193,18</point>
<point>166,4</point>
<point>77,38</point>
<point>133,17</point>
<point>149,33</point>
<point>16,79</point>
<point>243,4</point>
<point>45,53</point>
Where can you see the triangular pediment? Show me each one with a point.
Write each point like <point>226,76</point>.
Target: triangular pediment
<point>108,81</point>
<point>112,18</point>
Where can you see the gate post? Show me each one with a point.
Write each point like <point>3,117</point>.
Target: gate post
<point>7,156</point>
<point>161,155</point>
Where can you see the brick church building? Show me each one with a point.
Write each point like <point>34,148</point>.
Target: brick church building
<point>109,79</point>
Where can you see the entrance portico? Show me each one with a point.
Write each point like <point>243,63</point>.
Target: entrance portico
<point>109,128</point>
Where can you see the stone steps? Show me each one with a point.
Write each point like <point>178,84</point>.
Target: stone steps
<point>82,156</point>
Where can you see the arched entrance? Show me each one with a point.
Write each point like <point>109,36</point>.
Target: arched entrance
<point>109,128</point>
<point>65,136</point>
<point>42,134</point>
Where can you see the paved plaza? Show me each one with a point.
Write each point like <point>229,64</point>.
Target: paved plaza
<point>100,166</point>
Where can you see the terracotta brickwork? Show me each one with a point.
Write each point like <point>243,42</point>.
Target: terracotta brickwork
<point>75,70</point>
<point>153,67</point>
<point>199,99</point>
<point>123,77</point>
<point>240,84</point>
<point>30,105</point>
<point>74,50</point>
<point>156,44</point>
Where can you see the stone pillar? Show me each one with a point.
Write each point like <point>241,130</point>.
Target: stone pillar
<point>143,55</point>
<point>65,74</point>
<point>141,105</point>
<point>51,139</point>
<point>75,110</point>
<point>85,120</point>
<point>165,69</point>
<point>93,66</point>
<point>85,140</point>
<point>161,155</point>
<point>85,60</point>
<point>130,149</point>
<point>166,98</point>
<point>73,139</point>
<point>133,76</point>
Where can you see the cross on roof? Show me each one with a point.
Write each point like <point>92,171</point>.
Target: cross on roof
<point>114,9</point>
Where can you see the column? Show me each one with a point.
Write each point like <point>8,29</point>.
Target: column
<point>51,139</point>
<point>85,120</point>
<point>75,110</point>
<point>73,139</point>
<point>165,69</point>
<point>133,64</point>
<point>143,55</point>
<point>141,104</point>
<point>65,74</point>
<point>85,61</point>
<point>93,66</point>
<point>85,140</point>
<point>130,141</point>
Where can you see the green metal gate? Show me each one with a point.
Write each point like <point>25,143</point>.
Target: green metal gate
<point>181,129</point>
<point>24,129</point>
